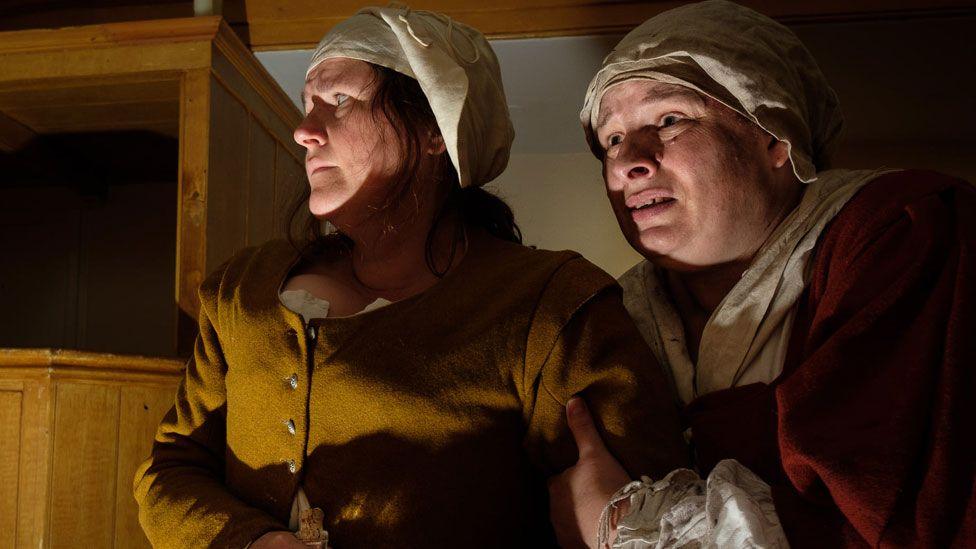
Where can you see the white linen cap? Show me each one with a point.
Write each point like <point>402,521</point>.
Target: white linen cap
<point>740,58</point>
<point>457,71</point>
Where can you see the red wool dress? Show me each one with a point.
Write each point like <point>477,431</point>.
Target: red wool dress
<point>868,437</point>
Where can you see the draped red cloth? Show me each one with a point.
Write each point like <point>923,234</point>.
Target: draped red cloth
<point>868,437</point>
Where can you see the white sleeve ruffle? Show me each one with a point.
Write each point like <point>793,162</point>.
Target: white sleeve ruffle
<point>732,508</point>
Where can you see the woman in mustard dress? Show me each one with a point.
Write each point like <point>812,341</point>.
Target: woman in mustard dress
<point>407,371</point>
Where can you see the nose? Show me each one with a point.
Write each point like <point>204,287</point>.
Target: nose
<point>638,157</point>
<point>309,133</point>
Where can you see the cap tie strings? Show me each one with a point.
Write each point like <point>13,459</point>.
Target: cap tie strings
<point>450,32</point>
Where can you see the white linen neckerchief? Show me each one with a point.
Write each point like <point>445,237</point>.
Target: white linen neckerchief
<point>746,338</point>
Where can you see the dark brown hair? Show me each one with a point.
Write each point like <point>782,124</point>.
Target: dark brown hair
<point>400,102</point>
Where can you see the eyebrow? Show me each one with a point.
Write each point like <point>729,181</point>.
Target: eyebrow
<point>319,83</point>
<point>655,96</point>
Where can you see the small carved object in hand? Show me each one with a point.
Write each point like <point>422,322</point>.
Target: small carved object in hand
<point>310,530</point>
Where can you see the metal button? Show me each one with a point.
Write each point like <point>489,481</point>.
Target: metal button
<point>292,381</point>
<point>311,333</point>
<point>290,425</point>
<point>291,466</point>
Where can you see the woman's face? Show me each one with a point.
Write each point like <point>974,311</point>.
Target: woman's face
<point>351,155</point>
<point>692,184</point>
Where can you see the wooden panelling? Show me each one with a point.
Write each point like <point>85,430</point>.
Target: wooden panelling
<point>35,452</point>
<point>83,479</point>
<point>254,87</point>
<point>11,405</point>
<point>194,163</point>
<point>227,186</point>
<point>260,184</point>
<point>86,421</point>
<point>160,76</point>
<point>290,181</point>
<point>141,410</point>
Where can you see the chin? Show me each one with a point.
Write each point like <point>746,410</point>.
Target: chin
<point>665,250</point>
<point>654,243</point>
<point>324,204</point>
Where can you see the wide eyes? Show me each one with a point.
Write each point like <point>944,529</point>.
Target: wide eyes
<point>340,98</point>
<point>666,121</point>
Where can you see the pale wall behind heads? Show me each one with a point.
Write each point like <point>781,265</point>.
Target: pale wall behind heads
<point>560,204</point>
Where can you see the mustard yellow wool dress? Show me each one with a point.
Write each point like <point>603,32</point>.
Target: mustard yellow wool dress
<point>430,422</point>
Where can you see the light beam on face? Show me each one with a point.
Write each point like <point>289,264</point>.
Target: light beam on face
<point>689,180</point>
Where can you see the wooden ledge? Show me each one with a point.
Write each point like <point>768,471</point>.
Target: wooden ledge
<point>187,29</point>
<point>53,360</point>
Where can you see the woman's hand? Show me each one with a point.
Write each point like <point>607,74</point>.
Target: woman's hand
<point>578,494</point>
<point>277,540</point>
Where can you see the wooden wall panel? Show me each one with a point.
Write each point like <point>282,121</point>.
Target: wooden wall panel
<point>191,252</point>
<point>35,453</point>
<point>260,185</point>
<point>227,178</point>
<point>92,419</point>
<point>83,476</point>
<point>272,152</point>
<point>86,421</point>
<point>290,181</point>
<point>140,411</point>
<point>276,113</point>
<point>11,405</point>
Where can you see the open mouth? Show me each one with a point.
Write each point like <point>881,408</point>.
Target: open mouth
<point>647,210</point>
<point>653,202</point>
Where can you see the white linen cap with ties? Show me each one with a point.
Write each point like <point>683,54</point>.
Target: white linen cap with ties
<point>740,58</point>
<point>457,71</point>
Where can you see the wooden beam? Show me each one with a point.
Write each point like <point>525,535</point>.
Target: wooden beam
<point>299,24</point>
<point>13,134</point>
<point>118,50</point>
<point>170,31</point>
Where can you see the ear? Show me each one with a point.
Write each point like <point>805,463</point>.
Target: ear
<point>778,153</point>
<point>436,145</point>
